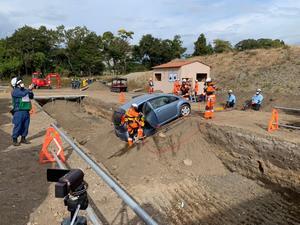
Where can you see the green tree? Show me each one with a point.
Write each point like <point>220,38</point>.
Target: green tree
<point>260,43</point>
<point>117,50</point>
<point>83,51</point>
<point>222,46</point>
<point>152,51</point>
<point>201,47</point>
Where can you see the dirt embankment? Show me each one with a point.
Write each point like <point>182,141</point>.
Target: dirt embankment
<point>257,156</point>
<point>180,171</point>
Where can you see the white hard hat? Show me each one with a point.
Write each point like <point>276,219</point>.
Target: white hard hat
<point>258,90</point>
<point>230,91</point>
<point>196,80</point>
<point>13,82</point>
<point>208,79</point>
<point>134,105</point>
<point>19,81</point>
<point>184,80</point>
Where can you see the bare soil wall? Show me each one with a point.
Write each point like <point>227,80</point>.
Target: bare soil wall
<point>180,174</point>
<point>257,156</point>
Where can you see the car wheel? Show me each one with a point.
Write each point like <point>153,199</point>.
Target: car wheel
<point>185,110</point>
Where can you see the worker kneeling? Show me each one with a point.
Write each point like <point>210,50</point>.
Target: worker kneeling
<point>231,100</point>
<point>210,102</point>
<point>135,123</point>
<point>257,100</point>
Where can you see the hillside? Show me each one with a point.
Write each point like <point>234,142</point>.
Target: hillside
<point>275,71</point>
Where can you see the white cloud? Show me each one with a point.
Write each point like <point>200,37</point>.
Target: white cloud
<point>233,20</point>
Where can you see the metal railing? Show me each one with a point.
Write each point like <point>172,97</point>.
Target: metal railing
<point>90,212</point>
<point>108,180</point>
<point>288,109</point>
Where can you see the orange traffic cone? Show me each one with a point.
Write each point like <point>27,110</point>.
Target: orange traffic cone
<point>45,156</point>
<point>122,97</point>
<point>273,123</point>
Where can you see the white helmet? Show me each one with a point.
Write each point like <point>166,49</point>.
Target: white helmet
<point>196,80</point>
<point>13,82</point>
<point>230,91</point>
<point>184,80</point>
<point>134,105</point>
<point>258,90</point>
<point>208,79</point>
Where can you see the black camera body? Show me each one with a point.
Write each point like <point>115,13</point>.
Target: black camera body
<point>70,186</point>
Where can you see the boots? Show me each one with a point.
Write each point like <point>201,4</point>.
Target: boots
<point>15,142</point>
<point>24,141</point>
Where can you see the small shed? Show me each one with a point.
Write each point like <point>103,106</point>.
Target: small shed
<point>164,75</point>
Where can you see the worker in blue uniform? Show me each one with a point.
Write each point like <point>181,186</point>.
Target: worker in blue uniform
<point>231,99</point>
<point>21,106</point>
<point>257,100</point>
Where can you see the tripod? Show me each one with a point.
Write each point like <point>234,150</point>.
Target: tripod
<point>76,201</point>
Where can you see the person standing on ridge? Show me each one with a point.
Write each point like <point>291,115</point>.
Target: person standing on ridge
<point>21,106</point>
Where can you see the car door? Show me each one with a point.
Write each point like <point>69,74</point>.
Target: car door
<point>165,108</point>
<point>150,115</point>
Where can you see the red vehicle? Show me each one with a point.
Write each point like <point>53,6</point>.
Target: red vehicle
<point>40,81</point>
<point>119,85</point>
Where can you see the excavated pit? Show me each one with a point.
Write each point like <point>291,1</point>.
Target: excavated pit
<point>191,171</point>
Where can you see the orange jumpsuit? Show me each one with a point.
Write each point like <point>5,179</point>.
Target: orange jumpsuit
<point>176,87</point>
<point>196,88</point>
<point>209,108</point>
<point>134,123</point>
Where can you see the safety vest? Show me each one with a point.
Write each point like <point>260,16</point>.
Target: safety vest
<point>22,103</point>
<point>211,100</point>
<point>133,118</point>
<point>196,87</point>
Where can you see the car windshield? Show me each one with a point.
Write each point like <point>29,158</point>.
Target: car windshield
<point>161,101</point>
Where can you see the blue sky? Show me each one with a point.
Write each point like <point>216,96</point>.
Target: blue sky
<point>231,20</point>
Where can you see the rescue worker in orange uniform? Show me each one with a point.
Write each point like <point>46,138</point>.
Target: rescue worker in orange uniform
<point>176,87</point>
<point>208,83</point>
<point>135,123</point>
<point>151,86</point>
<point>196,87</point>
<point>210,102</point>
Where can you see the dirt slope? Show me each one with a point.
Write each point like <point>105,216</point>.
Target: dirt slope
<point>177,176</point>
<point>275,71</point>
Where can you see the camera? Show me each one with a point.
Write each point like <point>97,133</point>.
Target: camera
<point>70,186</point>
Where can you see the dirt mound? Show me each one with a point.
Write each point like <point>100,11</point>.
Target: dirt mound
<point>272,70</point>
<point>97,86</point>
<point>179,171</point>
<point>158,157</point>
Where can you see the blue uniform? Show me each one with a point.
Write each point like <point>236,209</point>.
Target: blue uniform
<point>257,99</point>
<point>21,107</point>
<point>231,99</point>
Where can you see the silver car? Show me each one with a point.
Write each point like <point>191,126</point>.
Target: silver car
<point>158,109</point>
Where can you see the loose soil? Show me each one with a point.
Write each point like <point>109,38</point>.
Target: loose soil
<point>21,188</point>
<point>97,86</point>
<point>178,176</point>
